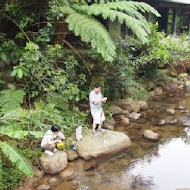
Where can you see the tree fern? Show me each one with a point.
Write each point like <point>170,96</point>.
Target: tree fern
<point>16,158</point>
<point>91,30</point>
<point>139,27</point>
<point>124,12</point>
<point>11,98</point>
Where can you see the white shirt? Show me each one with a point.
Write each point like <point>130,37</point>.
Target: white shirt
<point>48,136</point>
<point>92,98</point>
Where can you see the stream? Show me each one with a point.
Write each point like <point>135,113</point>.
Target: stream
<point>146,165</point>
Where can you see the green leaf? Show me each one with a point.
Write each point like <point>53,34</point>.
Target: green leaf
<point>91,30</point>
<point>16,158</point>
<point>1,168</point>
<point>11,98</point>
<point>14,73</point>
<point>22,134</point>
<point>20,73</point>
<point>4,56</point>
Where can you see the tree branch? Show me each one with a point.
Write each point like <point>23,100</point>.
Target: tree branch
<point>75,51</point>
<point>8,17</point>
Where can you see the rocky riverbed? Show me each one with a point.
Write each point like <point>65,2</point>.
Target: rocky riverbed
<point>165,121</point>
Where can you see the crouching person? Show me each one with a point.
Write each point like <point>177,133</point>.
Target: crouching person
<point>51,138</point>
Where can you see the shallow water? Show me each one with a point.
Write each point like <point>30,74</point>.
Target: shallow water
<point>163,165</point>
<point>168,169</point>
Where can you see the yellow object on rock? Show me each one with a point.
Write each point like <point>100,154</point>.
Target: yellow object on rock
<point>60,145</point>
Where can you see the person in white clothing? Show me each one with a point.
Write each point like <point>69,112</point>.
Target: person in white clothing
<point>51,138</point>
<point>96,99</point>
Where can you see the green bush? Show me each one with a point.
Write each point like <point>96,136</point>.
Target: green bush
<point>11,177</point>
<point>138,63</point>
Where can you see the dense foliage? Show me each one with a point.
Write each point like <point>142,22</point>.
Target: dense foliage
<point>51,58</point>
<point>139,63</point>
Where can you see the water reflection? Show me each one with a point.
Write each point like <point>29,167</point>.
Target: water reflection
<point>146,165</point>
<point>170,169</point>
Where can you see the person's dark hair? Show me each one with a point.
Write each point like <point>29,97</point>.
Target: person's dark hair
<point>55,128</point>
<point>97,85</point>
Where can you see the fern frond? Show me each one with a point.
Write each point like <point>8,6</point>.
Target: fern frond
<point>139,27</point>
<point>144,7</point>
<point>17,114</point>
<point>16,158</point>
<point>128,6</point>
<point>11,98</point>
<point>67,10</point>
<point>91,30</point>
<point>63,2</point>
<point>124,12</point>
<point>59,100</point>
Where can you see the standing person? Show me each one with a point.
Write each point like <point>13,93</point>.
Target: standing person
<point>96,99</point>
<point>51,138</point>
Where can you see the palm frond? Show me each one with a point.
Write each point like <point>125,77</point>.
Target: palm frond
<point>16,158</point>
<point>91,30</point>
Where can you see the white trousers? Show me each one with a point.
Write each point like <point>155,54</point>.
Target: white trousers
<point>98,116</point>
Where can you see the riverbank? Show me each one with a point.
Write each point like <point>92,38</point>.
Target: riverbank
<point>162,116</point>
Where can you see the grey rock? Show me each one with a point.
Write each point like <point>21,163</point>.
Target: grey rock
<point>148,134</point>
<point>43,187</point>
<point>71,155</point>
<point>107,143</point>
<point>134,116</point>
<point>115,109</point>
<point>54,164</point>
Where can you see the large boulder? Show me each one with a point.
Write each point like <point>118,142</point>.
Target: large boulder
<point>53,164</point>
<point>109,142</point>
<point>129,104</point>
<point>115,110</point>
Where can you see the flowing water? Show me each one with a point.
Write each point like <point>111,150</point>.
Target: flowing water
<point>163,165</point>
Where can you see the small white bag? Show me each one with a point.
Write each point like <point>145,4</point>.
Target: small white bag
<point>79,135</point>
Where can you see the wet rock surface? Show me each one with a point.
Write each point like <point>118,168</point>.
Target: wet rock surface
<point>43,187</point>
<point>150,135</point>
<point>109,142</point>
<point>110,173</point>
<point>71,155</point>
